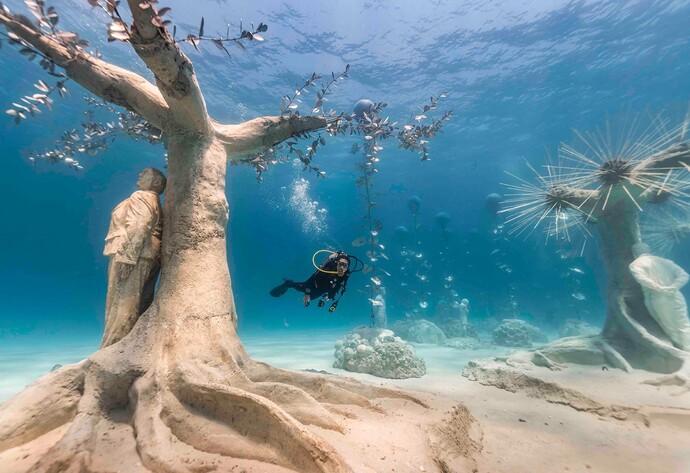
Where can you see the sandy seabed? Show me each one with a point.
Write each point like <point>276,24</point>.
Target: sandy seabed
<point>525,431</point>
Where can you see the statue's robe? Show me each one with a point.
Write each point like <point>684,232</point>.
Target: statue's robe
<point>134,238</point>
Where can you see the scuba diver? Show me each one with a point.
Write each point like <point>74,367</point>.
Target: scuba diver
<point>328,279</point>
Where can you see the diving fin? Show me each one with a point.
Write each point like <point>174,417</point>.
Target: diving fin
<point>282,289</point>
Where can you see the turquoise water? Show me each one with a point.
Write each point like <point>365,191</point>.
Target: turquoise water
<point>519,77</point>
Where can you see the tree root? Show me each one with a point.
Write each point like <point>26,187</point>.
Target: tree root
<point>47,404</point>
<point>177,417</point>
<point>680,378</point>
<point>259,422</point>
<point>328,389</point>
<point>515,380</point>
<point>633,347</point>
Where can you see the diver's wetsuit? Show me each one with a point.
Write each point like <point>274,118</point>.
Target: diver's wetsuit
<point>318,284</point>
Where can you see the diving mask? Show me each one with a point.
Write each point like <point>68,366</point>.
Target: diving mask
<point>342,267</point>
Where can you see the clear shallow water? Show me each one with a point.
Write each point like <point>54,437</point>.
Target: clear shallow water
<point>519,76</point>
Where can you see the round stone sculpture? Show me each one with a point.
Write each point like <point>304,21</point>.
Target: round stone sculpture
<point>455,328</point>
<point>378,352</point>
<point>512,333</point>
<point>419,331</point>
<point>576,328</point>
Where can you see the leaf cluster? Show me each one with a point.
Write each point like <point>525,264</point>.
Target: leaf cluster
<point>46,23</point>
<point>29,103</point>
<point>219,41</point>
<point>96,136</point>
<point>290,103</point>
<point>261,161</point>
<point>46,20</point>
<point>415,135</point>
<point>307,157</point>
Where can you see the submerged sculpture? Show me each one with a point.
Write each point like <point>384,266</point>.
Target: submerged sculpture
<point>608,187</point>
<point>180,393</point>
<point>661,280</point>
<point>380,319</point>
<point>133,245</point>
<point>463,310</point>
<point>378,352</point>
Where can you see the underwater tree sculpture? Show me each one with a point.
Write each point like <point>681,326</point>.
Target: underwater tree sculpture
<point>608,186</point>
<point>179,393</point>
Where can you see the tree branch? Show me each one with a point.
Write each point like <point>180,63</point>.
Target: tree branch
<point>174,72</point>
<point>111,83</point>
<point>256,135</point>
<point>582,200</point>
<point>674,157</point>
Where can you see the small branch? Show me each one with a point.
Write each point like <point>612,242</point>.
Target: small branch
<point>675,157</point>
<point>415,136</point>
<point>289,105</point>
<point>111,83</point>
<point>218,41</point>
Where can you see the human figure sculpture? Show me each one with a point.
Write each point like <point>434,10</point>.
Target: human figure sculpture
<point>464,311</point>
<point>661,280</point>
<point>379,316</point>
<point>133,245</point>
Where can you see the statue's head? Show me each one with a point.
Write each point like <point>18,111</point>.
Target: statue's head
<point>639,249</point>
<point>151,179</point>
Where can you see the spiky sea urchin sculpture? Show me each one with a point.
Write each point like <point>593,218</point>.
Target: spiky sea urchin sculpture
<point>606,179</point>
<point>665,229</point>
<point>640,164</point>
<point>615,171</point>
<point>543,203</point>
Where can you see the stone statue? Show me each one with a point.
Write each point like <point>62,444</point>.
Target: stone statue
<point>464,312</point>
<point>133,246</point>
<point>379,316</point>
<point>661,280</point>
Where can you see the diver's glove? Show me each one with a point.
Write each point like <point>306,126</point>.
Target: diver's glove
<point>321,303</point>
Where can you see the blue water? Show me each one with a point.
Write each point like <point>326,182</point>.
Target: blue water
<point>519,76</point>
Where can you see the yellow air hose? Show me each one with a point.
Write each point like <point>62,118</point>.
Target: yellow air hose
<point>317,267</point>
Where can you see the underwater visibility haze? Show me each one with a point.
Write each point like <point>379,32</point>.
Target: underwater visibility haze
<point>464,227</point>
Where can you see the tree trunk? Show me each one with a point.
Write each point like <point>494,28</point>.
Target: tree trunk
<point>618,232</point>
<point>629,328</point>
<point>179,393</point>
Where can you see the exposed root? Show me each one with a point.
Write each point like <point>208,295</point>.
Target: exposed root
<point>502,377</point>
<point>681,378</point>
<point>262,423</point>
<point>329,389</point>
<point>48,403</point>
<point>159,449</point>
<point>576,350</point>
<point>73,451</point>
<point>614,358</point>
<point>540,359</point>
<point>191,414</point>
<point>298,403</point>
